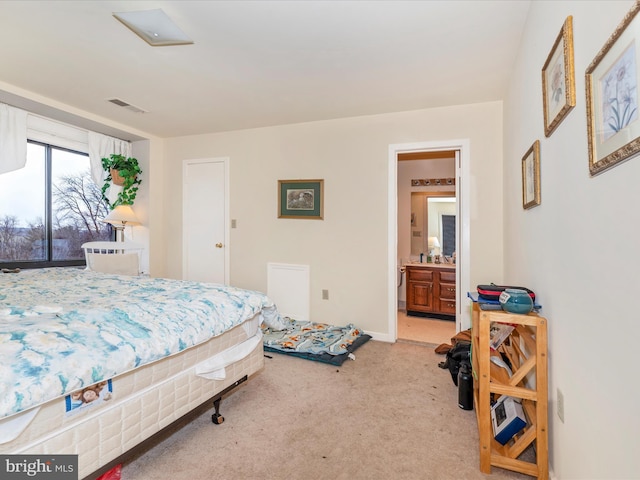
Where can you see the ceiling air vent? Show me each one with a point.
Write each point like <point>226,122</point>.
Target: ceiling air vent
<point>128,106</point>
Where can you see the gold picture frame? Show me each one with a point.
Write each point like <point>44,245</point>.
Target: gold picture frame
<point>301,199</point>
<point>559,79</point>
<point>612,78</point>
<point>531,176</point>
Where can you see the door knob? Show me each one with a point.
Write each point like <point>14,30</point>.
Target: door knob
<point>218,245</point>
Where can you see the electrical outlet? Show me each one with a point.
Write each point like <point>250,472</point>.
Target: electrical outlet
<point>560,405</point>
<point>325,294</point>
<point>233,223</point>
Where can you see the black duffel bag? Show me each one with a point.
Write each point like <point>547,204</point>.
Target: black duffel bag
<point>460,353</point>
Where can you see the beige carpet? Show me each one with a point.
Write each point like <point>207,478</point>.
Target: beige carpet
<point>389,414</point>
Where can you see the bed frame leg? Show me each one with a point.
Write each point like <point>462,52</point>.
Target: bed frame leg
<point>216,417</point>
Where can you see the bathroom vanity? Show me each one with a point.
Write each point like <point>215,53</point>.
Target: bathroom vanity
<point>431,289</point>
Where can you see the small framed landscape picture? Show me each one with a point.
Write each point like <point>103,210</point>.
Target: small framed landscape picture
<point>531,176</point>
<point>612,79</point>
<point>558,79</point>
<point>301,199</point>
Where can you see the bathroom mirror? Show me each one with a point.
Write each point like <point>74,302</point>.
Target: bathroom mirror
<point>433,214</point>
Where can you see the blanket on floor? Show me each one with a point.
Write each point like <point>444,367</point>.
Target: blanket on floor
<point>314,341</point>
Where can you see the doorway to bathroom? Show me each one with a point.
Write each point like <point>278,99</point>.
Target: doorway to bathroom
<point>427,237</point>
<point>430,180</point>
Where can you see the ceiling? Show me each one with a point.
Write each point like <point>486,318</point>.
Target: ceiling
<point>259,63</point>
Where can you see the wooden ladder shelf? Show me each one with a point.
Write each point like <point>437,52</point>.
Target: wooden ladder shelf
<point>526,350</point>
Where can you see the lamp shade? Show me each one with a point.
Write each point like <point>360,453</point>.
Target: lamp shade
<point>122,215</point>
<point>433,242</point>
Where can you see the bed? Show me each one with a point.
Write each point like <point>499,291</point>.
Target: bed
<point>94,364</point>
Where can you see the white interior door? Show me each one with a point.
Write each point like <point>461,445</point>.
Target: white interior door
<point>204,217</point>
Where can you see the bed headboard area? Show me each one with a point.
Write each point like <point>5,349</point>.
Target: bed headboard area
<point>123,258</point>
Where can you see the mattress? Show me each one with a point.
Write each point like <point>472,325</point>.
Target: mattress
<point>141,403</point>
<point>64,329</point>
<point>141,351</point>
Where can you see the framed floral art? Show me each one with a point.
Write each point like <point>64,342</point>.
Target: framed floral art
<point>612,78</point>
<point>558,79</point>
<point>531,176</point>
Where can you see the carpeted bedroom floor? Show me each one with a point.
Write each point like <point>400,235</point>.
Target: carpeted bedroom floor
<point>390,413</point>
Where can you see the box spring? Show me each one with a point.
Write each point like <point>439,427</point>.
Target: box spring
<point>144,401</point>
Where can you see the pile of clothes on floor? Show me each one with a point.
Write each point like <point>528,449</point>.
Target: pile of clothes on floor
<point>458,353</point>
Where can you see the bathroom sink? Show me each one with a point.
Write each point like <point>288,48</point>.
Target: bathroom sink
<point>424,264</point>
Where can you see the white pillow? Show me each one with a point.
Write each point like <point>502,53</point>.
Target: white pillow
<point>118,263</point>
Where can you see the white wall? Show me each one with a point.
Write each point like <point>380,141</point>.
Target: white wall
<point>149,207</point>
<point>347,251</point>
<point>152,204</point>
<point>578,251</point>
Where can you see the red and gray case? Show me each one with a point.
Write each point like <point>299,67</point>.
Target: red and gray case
<point>492,291</point>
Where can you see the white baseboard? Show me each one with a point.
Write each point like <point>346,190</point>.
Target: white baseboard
<point>381,337</point>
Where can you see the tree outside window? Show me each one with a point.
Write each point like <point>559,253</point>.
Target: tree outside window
<point>49,208</point>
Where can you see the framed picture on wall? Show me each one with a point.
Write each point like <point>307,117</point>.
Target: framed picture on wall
<point>301,199</point>
<point>531,176</point>
<point>612,97</point>
<point>558,79</point>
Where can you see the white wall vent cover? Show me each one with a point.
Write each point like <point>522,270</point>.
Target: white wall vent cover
<point>289,288</point>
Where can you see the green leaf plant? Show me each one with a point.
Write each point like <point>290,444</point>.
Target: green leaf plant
<point>129,170</point>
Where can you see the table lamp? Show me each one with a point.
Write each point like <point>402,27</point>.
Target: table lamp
<point>120,217</point>
<point>432,244</point>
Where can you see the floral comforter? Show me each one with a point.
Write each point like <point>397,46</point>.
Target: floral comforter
<point>310,337</point>
<point>62,329</point>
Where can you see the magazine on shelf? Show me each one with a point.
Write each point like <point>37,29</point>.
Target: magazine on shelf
<point>498,333</point>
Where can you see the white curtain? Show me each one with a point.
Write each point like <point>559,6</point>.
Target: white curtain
<point>13,138</point>
<point>101,146</point>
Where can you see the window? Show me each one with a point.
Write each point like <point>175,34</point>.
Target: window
<point>49,208</point>
<point>448,234</point>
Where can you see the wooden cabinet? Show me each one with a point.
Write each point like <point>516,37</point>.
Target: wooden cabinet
<point>431,289</point>
<point>526,350</point>
<point>447,292</point>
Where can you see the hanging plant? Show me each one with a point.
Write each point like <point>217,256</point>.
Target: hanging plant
<point>122,171</point>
